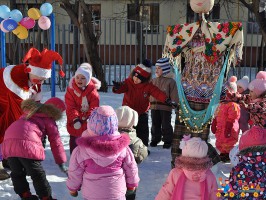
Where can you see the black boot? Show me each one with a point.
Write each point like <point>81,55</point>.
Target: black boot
<point>28,196</point>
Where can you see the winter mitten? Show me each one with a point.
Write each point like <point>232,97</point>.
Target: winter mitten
<point>170,103</point>
<point>117,85</point>
<point>213,126</point>
<point>73,193</point>
<point>77,123</point>
<point>228,129</point>
<point>63,168</point>
<point>130,191</point>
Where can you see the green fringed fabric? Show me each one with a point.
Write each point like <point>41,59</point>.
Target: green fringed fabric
<point>197,121</point>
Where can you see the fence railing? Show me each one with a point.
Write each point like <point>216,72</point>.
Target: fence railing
<point>119,50</point>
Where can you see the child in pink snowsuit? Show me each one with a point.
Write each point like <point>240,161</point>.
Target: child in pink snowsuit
<point>102,165</point>
<point>191,178</point>
<point>23,146</point>
<point>225,125</point>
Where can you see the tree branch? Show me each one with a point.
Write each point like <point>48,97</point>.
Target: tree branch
<point>68,7</point>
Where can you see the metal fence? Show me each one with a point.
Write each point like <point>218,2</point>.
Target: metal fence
<point>118,47</point>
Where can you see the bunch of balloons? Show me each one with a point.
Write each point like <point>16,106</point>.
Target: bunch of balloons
<point>19,25</point>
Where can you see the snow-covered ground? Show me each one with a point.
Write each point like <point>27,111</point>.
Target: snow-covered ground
<point>153,171</point>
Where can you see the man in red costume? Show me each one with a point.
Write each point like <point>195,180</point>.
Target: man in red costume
<point>20,82</point>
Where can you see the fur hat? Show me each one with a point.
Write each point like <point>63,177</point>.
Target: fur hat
<point>193,147</point>
<point>85,69</point>
<point>243,82</point>
<point>164,64</point>
<point>256,136</point>
<point>232,86</point>
<point>103,121</point>
<point>258,85</point>
<point>127,117</point>
<point>40,63</point>
<point>58,103</point>
<point>143,71</point>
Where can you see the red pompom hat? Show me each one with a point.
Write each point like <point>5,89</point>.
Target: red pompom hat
<point>40,63</point>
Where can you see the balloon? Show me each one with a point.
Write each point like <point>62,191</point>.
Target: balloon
<point>21,32</point>
<point>2,28</point>
<point>27,22</point>
<point>4,12</point>
<point>46,9</point>
<point>16,15</point>
<point>34,13</point>
<point>10,24</point>
<point>44,23</point>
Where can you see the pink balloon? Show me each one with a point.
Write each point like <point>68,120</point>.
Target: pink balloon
<point>44,22</point>
<point>27,22</point>
<point>2,28</point>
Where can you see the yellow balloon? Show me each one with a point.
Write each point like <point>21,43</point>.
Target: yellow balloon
<point>34,13</point>
<point>21,32</point>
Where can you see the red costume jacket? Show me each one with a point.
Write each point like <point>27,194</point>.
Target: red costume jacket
<point>14,84</point>
<point>137,95</point>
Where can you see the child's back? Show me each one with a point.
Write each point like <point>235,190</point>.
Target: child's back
<point>102,164</point>
<point>191,178</point>
<point>127,120</point>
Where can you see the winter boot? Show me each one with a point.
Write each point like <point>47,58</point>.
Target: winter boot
<point>28,196</point>
<point>167,145</point>
<point>5,164</point>
<point>3,173</point>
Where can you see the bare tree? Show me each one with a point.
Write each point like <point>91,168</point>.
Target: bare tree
<point>82,18</point>
<point>253,7</point>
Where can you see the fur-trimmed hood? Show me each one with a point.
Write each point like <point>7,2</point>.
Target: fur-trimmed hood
<point>31,107</point>
<point>194,168</point>
<point>104,150</point>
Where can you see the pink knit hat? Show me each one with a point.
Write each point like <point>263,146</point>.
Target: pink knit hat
<point>258,85</point>
<point>243,82</point>
<point>193,147</point>
<point>256,136</point>
<point>103,121</point>
<point>58,103</point>
<point>232,86</point>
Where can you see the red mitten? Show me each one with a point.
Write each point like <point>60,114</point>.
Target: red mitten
<point>228,129</point>
<point>214,125</point>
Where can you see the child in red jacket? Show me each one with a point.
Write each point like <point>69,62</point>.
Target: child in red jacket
<point>81,98</point>
<point>225,125</point>
<point>138,88</point>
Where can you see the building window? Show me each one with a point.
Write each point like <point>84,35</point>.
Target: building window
<point>96,16</point>
<point>214,14</point>
<point>149,15</point>
<point>253,27</point>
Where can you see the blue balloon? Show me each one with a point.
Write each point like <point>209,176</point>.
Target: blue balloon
<point>16,15</point>
<point>4,12</point>
<point>46,9</point>
<point>10,24</point>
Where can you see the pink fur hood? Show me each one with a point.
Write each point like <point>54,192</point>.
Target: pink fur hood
<point>194,168</point>
<point>104,150</point>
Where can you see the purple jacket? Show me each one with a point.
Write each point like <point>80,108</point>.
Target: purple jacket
<point>23,138</point>
<point>102,167</point>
